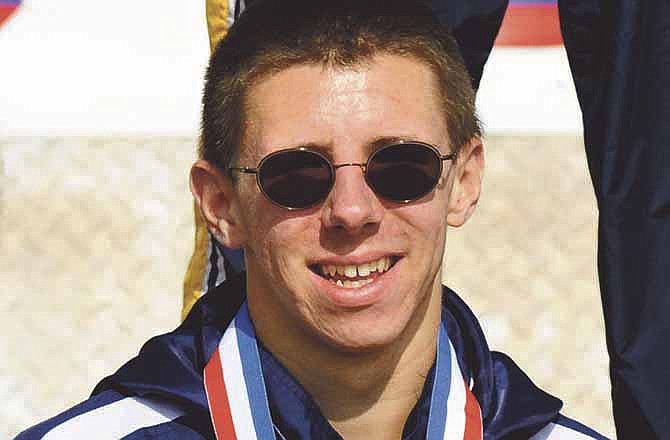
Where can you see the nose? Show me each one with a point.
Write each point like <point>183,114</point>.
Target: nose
<point>351,206</point>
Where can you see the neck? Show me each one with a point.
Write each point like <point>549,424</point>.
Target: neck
<point>363,392</point>
<point>372,393</point>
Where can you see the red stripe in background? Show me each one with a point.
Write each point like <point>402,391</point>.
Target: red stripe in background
<point>473,417</point>
<point>217,397</point>
<point>526,25</point>
<point>5,12</point>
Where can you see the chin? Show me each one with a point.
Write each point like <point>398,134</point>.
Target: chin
<point>361,342</point>
<point>367,330</point>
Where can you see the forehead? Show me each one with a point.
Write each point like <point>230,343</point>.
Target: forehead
<point>386,97</point>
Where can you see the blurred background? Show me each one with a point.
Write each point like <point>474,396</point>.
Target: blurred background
<point>99,110</point>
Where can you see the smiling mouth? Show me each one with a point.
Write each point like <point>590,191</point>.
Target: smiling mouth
<point>352,276</point>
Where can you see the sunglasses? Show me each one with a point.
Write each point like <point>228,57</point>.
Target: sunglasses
<point>300,178</point>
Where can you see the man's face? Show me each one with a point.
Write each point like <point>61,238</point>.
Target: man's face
<point>386,256</point>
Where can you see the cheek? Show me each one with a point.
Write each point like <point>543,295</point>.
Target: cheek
<point>279,238</point>
<point>426,220</point>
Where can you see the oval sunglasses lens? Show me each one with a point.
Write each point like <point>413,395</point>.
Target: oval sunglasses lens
<point>404,172</point>
<point>295,179</point>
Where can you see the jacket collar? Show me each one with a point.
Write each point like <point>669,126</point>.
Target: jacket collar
<point>171,366</point>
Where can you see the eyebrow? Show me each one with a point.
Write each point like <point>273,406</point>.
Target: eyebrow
<point>325,149</point>
<point>386,140</point>
<point>371,146</point>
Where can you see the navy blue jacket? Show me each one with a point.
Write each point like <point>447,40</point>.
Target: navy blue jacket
<point>160,393</point>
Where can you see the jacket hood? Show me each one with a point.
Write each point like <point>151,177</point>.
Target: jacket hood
<point>171,366</point>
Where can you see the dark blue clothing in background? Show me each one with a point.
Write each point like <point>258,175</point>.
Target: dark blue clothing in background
<point>619,52</point>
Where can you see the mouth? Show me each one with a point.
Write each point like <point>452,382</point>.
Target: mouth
<point>353,276</point>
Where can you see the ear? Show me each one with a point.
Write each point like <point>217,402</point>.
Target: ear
<point>467,185</point>
<point>219,203</point>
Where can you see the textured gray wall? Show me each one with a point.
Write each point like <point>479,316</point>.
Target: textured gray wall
<point>95,235</point>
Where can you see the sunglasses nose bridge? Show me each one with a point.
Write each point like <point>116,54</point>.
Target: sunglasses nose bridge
<point>362,166</point>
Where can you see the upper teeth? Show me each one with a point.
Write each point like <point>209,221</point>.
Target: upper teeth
<point>356,270</point>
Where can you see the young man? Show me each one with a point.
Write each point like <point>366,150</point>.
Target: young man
<point>339,143</point>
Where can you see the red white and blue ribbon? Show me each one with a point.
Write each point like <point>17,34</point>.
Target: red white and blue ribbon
<point>235,387</point>
<point>238,401</point>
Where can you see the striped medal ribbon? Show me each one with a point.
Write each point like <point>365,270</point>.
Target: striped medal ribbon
<point>238,402</point>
